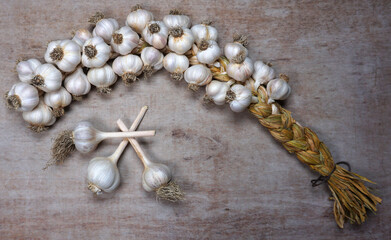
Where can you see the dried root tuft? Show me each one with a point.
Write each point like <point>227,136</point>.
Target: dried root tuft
<point>104,90</point>
<point>170,192</point>
<point>96,18</point>
<point>193,87</point>
<point>230,96</point>
<point>177,76</point>
<point>13,101</point>
<point>58,112</point>
<point>38,129</point>
<point>129,78</point>
<point>242,39</point>
<point>63,146</point>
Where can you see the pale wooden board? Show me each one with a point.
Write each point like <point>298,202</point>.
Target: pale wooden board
<point>239,182</point>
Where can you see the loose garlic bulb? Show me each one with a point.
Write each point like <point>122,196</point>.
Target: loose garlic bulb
<point>22,97</point>
<point>262,73</point>
<point>77,83</point>
<point>156,33</point>
<point>152,59</point>
<point>104,27</point>
<point>217,91</point>
<point>180,40</point>
<point>128,67</point>
<point>176,65</point>
<point>235,52</point>
<point>155,175</point>
<point>95,52</point>
<point>204,31</point>
<point>40,117</point>
<point>102,78</point>
<point>47,78</point>
<point>64,53</point>
<point>241,71</point>
<point>208,51</point>
<point>138,19</point>
<point>278,89</point>
<point>57,100</point>
<point>176,19</point>
<point>25,69</point>
<point>198,75</point>
<point>124,40</point>
<point>239,98</point>
<point>81,36</point>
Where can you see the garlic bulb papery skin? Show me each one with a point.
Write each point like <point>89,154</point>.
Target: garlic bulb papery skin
<point>77,83</point>
<point>124,40</point>
<point>156,33</point>
<point>239,98</point>
<point>128,67</point>
<point>152,60</point>
<point>47,78</point>
<point>278,89</point>
<point>138,19</point>
<point>241,71</point>
<point>180,40</point>
<point>217,91</point>
<point>208,51</point>
<point>22,97</point>
<point>235,52</point>
<point>176,19</point>
<point>105,28</point>
<point>262,73</point>
<point>40,117</point>
<point>25,69</point>
<point>155,175</point>
<point>57,100</point>
<point>95,52</point>
<point>204,31</point>
<point>102,78</point>
<point>64,53</point>
<point>197,75</point>
<point>81,36</point>
<point>176,65</point>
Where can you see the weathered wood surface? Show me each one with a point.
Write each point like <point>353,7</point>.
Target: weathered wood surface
<point>240,183</point>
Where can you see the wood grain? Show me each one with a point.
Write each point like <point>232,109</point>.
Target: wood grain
<point>240,183</point>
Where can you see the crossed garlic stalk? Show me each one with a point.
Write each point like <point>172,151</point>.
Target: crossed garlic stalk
<point>102,174</point>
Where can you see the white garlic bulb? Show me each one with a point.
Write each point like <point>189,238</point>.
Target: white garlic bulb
<point>124,40</point>
<point>22,97</point>
<point>57,100</point>
<point>235,52</point>
<point>64,53</point>
<point>155,175</point>
<point>217,91</point>
<point>204,31</point>
<point>77,83</point>
<point>152,59</point>
<point>81,36</point>
<point>138,19</point>
<point>102,175</point>
<point>239,98</point>
<point>241,71</point>
<point>278,89</point>
<point>198,75</point>
<point>176,65</point>
<point>156,33</point>
<point>95,52</point>
<point>180,40</point>
<point>262,73</point>
<point>176,19</point>
<point>25,69</point>
<point>40,117</point>
<point>208,51</point>
<point>105,28</point>
<point>102,78</point>
<point>47,78</point>
<point>128,67</point>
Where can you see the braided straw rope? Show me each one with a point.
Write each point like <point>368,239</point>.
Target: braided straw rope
<point>351,197</point>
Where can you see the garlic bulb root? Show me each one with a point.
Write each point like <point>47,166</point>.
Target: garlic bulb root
<point>170,192</point>
<point>242,39</point>
<point>63,146</point>
<point>96,17</point>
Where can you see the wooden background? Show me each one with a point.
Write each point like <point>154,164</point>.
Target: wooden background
<point>239,182</point>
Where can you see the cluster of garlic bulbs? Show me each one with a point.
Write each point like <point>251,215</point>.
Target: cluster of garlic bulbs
<point>143,46</point>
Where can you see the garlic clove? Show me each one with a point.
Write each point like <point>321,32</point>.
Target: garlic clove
<point>262,74</point>
<point>81,36</point>
<point>156,33</point>
<point>77,83</point>
<point>64,53</point>
<point>241,71</point>
<point>40,117</point>
<point>57,100</point>
<point>239,98</point>
<point>47,78</point>
<point>124,40</point>
<point>95,52</point>
<point>176,19</point>
<point>180,40</point>
<point>197,75</point>
<point>22,97</point>
<point>25,69</point>
<point>278,89</point>
<point>102,78</point>
<point>208,51</point>
<point>128,67</point>
<point>138,19</point>
<point>176,65</point>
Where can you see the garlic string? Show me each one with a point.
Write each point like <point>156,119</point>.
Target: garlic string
<point>156,177</point>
